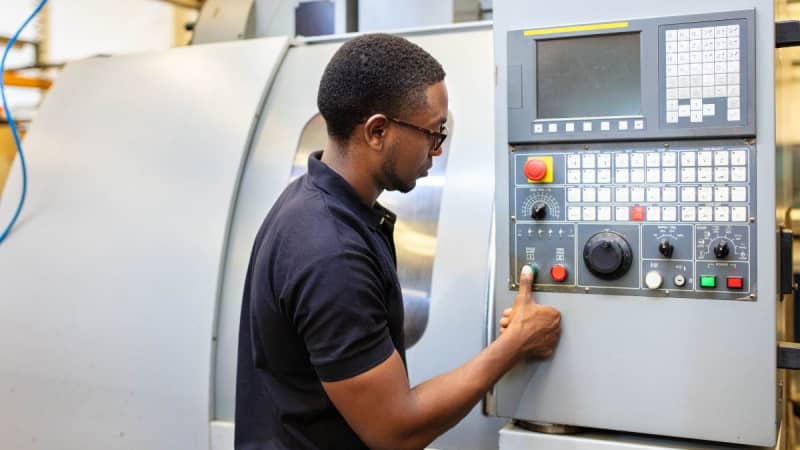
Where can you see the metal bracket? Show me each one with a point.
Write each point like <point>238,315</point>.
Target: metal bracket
<point>785,261</point>
<point>787,34</point>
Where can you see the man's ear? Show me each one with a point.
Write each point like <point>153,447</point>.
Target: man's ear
<point>375,129</point>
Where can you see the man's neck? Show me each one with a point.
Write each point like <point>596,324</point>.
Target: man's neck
<point>340,159</point>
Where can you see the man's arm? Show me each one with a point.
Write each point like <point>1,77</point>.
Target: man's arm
<point>386,413</point>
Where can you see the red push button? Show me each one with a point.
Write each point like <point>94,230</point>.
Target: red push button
<point>637,213</point>
<point>735,282</point>
<point>558,273</point>
<point>536,169</point>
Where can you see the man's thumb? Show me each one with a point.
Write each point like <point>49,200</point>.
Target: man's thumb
<point>525,285</point>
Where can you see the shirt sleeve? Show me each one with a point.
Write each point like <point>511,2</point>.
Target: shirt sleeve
<point>339,310</point>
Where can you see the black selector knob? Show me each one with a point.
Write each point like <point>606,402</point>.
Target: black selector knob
<point>666,248</point>
<point>539,211</point>
<point>608,255</point>
<point>722,249</point>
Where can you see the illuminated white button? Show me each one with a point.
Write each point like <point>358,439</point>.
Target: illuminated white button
<point>708,33</point>
<point>739,214</point>
<point>684,46</point>
<point>734,103</point>
<point>697,104</point>
<point>704,158</point>
<point>733,78</point>
<point>696,92</point>
<point>638,124</point>
<point>589,195</point>
<point>604,176</point>
<point>705,214</point>
<point>695,47</point>
<point>622,213</point>
<point>672,35</point>
<point>733,66</point>
<point>733,55</point>
<point>604,195</point>
<point>738,174</point>
<point>587,126</point>
<point>721,68</point>
<point>708,81</point>
<point>552,128</point>
<point>653,280</point>
<point>623,125</point>
<point>574,213</point>
<point>653,175</point>
<point>721,174</point>
<point>734,115</point>
<point>653,194</point>
<point>733,30</point>
<point>684,110</point>
<point>637,159</point>
<point>604,161</point>
<point>589,213</point>
<point>621,159</point>
<point>672,59</point>
<point>732,91</point>
<point>720,56</point>
<point>704,194</point>
<point>739,194</point>
<point>605,126</point>
<point>696,117</point>
<point>573,161</point>
<point>653,159</point>
<point>573,176</point>
<point>569,127</point>
<point>621,175</point>
<point>604,213</point>
<point>721,214</point>
<point>538,128</point>
<point>684,93</point>
<point>697,74</point>
<point>621,195</point>
<point>669,213</point>
<point>709,110</point>
<point>721,91</point>
<point>588,176</point>
<point>708,69</point>
<point>669,194</point>
<point>672,117</point>
<point>672,47</point>
<point>708,91</point>
<point>683,34</point>
<point>688,174</point>
<point>573,195</point>
<point>733,43</point>
<point>672,70</point>
<point>637,175</point>
<point>668,159</point>
<point>588,161</point>
<point>653,214</point>
<point>738,157</point>
<point>721,194</point>
<point>704,175</point>
<point>695,33</point>
<point>669,175</point>
<point>637,194</point>
<point>721,31</point>
<point>688,158</point>
<point>721,44</point>
<point>688,214</point>
<point>688,194</point>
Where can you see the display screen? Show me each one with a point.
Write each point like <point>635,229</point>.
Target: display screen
<point>594,76</point>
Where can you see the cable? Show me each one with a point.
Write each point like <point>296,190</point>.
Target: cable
<point>13,124</point>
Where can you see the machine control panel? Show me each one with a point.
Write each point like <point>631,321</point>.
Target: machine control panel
<point>672,219</point>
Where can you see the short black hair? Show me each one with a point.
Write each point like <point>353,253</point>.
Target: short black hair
<point>371,74</point>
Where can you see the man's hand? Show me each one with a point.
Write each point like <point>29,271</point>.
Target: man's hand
<point>538,326</point>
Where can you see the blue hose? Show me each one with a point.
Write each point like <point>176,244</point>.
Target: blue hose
<point>13,124</point>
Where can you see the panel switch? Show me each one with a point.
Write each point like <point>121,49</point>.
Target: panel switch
<point>735,282</point>
<point>708,281</point>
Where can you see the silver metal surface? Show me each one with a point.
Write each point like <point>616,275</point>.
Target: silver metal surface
<point>110,279</point>
<point>457,301</point>
<point>700,369</point>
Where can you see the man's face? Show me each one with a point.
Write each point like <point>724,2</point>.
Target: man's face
<point>410,154</point>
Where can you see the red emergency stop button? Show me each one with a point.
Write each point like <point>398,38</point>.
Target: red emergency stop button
<point>735,282</point>
<point>637,213</point>
<point>558,273</point>
<point>536,169</point>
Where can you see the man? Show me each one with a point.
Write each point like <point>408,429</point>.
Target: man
<point>321,356</point>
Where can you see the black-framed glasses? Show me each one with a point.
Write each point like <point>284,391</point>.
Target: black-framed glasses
<point>438,136</point>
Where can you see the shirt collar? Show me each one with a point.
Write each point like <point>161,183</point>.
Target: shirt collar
<point>331,182</point>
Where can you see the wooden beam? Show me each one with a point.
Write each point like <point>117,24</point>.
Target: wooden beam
<point>12,79</point>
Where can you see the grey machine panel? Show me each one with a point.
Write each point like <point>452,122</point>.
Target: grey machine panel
<point>110,278</point>
<point>692,362</point>
<point>449,274</point>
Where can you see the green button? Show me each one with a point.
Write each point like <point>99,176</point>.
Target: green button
<point>708,281</point>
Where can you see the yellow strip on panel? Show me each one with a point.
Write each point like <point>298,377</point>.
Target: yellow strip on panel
<point>577,28</point>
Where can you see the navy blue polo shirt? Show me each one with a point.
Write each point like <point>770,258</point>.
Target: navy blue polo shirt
<point>322,302</point>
